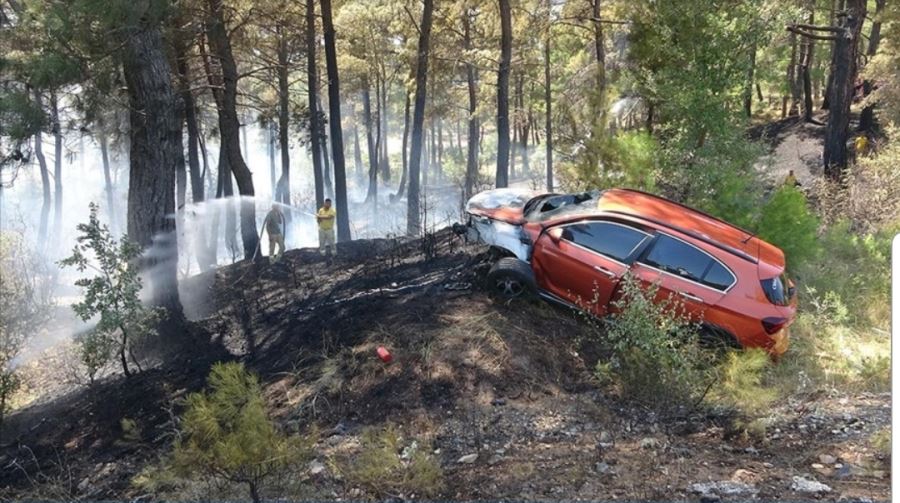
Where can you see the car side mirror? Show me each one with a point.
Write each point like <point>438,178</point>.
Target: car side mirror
<point>555,234</point>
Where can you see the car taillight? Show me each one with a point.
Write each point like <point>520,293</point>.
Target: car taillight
<point>773,325</point>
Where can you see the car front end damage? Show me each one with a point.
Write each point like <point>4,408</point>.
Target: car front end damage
<point>511,238</point>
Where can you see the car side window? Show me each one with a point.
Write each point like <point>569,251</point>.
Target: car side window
<point>606,238</point>
<point>686,261</point>
<point>718,277</point>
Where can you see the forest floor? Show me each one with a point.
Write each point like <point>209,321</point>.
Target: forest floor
<point>502,394</point>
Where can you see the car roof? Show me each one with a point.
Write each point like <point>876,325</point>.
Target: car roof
<point>691,222</point>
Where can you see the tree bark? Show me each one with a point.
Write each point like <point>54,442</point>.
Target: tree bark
<point>154,160</point>
<point>502,174</point>
<point>548,107</point>
<point>807,63</point>
<point>412,211</point>
<point>837,132</point>
<point>383,113</point>
<point>312,84</point>
<point>190,117</point>
<point>337,136</point>
<point>867,115</point>
<point>372,193</point>
<point>748,86</point>
<point>45,181</point>
<point>107,180</point>
<point>229,125</point>
<point>405,154</point>
<point>792,76</point>
<point>472,139</point>
<point>56,128</point>
<point>283,189</point>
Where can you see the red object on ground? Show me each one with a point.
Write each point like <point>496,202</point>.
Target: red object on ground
<point>384,354</point>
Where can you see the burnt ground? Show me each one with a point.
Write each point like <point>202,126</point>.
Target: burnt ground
<point>509,382</point>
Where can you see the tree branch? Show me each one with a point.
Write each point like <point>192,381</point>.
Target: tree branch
<point>810,35</point>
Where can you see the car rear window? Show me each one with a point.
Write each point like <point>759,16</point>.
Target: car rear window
<point>776,290</point>
<point>688,262</point>
<point>611,239</point>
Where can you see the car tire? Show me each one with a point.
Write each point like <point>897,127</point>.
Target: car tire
<point>511,278</point>
<point>717,339</point>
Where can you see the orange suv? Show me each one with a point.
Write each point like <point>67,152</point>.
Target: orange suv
<point>569,248</point>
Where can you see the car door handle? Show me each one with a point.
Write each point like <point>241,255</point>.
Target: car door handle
<point>691,296</point>
<point>606,272</point>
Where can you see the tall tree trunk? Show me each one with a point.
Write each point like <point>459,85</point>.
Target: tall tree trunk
<point>405,154</point>
<point>837,132</point>
<point>472,139</point>
<point>181,171</point>
<point>415,156</point>
<point>383,115</point>
<point>229,125</point>
<point>805,76</point>
<point>45,181</point>
<point>792,76</point>
<point>107,180</point>
<point>502,174</point>
<point>56,128</point>
<point>379,141</point>
<point>440,149</point>
<point>154,160</point>
<point>326,167</point>
<point>835,7</point>
<point>748,85</point>
<point>270,154</point>
<point>526,130</point>
<point>867,115</point>
<point>357,153</point>
<point>190,117</point>
<point>312,84</point>
<point>372,194</point>
<point>548,104</point>
<point>337,135</point>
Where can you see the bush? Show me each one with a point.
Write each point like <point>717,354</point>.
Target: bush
<point>655,353</point>
<point>854,271</point>
<point>112,295</point>
<point>385,467</point>
<point>787,222</point>
<point>225,436</point>
<point>25,302</point>
<point>743,387</point>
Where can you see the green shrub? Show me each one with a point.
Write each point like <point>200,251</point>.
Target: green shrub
<point>787,222</point>
<point>655,353</point>
<point>113,295</point>
<point>743,387</point>
<point>855,269</point>
<point>385,467</point>
<point>225,436</point>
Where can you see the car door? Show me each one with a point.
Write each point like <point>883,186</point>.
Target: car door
<point>582,262</point>
<point>684,273</point>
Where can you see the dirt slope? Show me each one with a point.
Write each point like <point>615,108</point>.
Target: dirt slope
<point>510,383</point>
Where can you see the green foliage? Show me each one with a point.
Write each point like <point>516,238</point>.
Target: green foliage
<point>385,467</point>
<point>26,300</point>
<point>131,432</point>
<point>655,355</point>
<point>854,270</point>
<point>225,434</point>
<point>744,388</point>
<point>629,159</point>
<point>787,222</point>
<point>113,295</point>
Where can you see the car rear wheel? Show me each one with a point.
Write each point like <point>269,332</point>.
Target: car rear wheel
<point>511,278</point>
<point>718,339</point>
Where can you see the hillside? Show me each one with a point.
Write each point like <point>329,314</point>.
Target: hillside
<point>510,383</point>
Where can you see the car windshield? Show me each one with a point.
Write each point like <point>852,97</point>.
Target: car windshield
<point>553,205</point>
<point>499,198</point>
